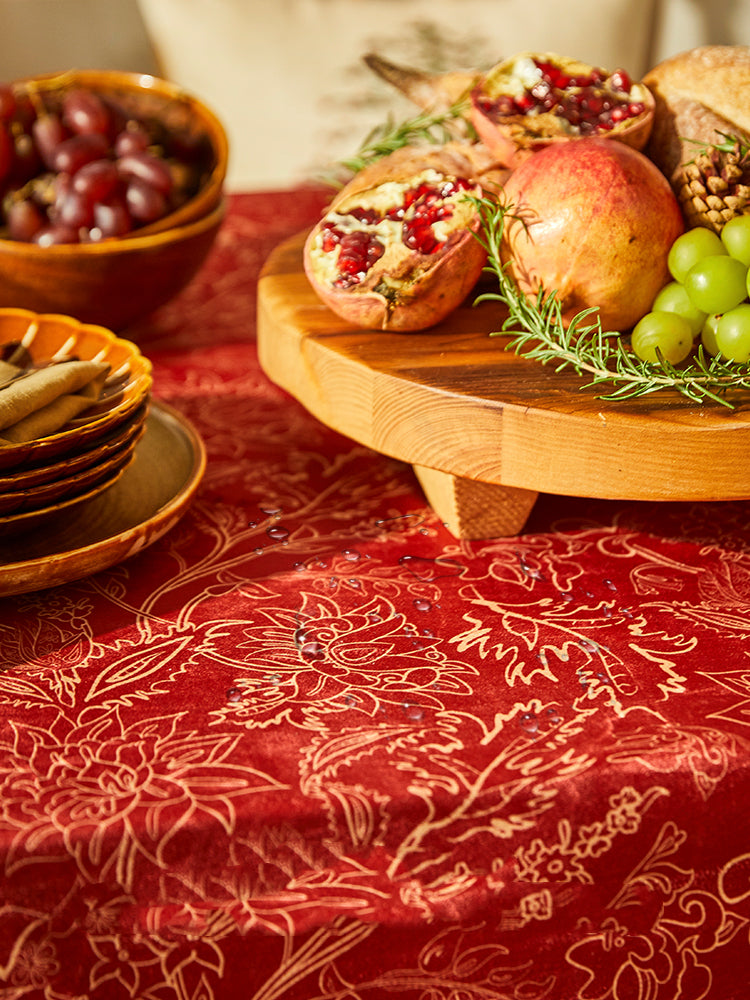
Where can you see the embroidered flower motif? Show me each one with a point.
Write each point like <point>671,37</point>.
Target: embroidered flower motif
<point>110,795</point>
<point>550,863</point>
<point>536,906</point>
<point>326,658</point>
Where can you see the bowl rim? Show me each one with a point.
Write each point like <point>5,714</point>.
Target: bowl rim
<point>63,319</point>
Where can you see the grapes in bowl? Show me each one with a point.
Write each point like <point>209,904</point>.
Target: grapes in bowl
<point>111,188</point>
<point>87,155</point>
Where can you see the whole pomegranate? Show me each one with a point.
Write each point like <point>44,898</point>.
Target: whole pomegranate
<point>395,249</point>
<point>593,221</point>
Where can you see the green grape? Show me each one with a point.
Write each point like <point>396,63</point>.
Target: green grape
<point>733,334</point>
<point>666,332</point>
<point>674,298</point>
<point>735,235</point>
<point>708,334</point>
<point>717,284</point>
<point>690,247</point>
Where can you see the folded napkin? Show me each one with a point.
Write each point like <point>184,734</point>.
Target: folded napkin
<point>37,403</point>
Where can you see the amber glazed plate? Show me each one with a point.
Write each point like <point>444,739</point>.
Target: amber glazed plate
<point>485,429</point>
<point>143,504</point>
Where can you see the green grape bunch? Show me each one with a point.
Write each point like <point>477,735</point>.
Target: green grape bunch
<point>708,300</point>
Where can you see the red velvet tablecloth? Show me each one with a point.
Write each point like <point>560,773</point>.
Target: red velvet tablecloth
<point>309,745</point>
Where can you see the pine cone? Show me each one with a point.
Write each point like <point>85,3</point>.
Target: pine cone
<point>715,186</point>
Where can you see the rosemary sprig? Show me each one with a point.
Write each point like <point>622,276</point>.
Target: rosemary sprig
<point>433,128</point>
<point>536,330</point>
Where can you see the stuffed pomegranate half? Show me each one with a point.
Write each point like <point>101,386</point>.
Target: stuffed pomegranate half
<point>396,248</point>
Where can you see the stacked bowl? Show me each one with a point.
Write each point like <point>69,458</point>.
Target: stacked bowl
<point>87,433</point>
<point>111,197</point>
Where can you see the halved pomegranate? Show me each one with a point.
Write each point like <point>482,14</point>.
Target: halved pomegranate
<point>537,99</point>
<point>395,249</point>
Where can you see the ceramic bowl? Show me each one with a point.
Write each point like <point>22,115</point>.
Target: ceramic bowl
<point>111,284</point>
<point>117,281</point>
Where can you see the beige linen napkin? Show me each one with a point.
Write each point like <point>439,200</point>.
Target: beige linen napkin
<point>38,403</point>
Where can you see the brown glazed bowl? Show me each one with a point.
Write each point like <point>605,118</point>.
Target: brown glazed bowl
<point>120,280</point>
<point>113,283</point>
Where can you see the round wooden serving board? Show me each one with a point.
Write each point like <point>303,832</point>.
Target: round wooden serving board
<point>485,429</point>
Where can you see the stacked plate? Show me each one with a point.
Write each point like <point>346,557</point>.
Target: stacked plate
<point>88,453</point>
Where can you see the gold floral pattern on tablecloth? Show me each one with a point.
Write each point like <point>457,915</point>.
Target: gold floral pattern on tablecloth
<point>309,746</point>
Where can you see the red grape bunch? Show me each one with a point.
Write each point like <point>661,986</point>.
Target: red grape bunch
<point>77,167</point>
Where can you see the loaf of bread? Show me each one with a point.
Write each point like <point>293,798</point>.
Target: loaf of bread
<point>701,95</point>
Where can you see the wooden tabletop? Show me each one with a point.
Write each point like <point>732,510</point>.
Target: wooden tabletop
<point>452,401</point>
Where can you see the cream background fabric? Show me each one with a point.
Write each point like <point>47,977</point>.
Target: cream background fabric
<point>286,76</point>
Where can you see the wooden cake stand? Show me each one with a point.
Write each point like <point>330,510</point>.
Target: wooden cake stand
<point>485,429</point>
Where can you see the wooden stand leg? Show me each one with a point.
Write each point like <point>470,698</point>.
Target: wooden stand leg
<point>475,510</point>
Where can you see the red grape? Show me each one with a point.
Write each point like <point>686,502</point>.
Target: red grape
<point>84,112</point>
<point>80,165</point>
<point>26,160</point>
<point>133,139</point>
<point>145,203</point>
<point>71,154</point>
<point>48,132</point>
<point>24,219</point>
<point>97,180</point>
<point>52,234</point>
<point>147,168</point>
<point>74,210</point>
<point>111,218</point>
<point>6,153</point>
<point>7,102</point>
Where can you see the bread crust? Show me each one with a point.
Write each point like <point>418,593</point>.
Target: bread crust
<point>700,95</point>
<point>715,75</point>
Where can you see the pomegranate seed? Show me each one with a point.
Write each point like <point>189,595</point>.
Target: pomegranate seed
<point>541,91</point>
<point>331,238</point>
<point>359,247</point>
<point>505,105</point>
<point>550,73</point>
<point>592,103</point>
<point>367,215</point>
<point>420,237</point>
<point>620,81</point>
<point>359,251</point>
<point>584,101</point>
